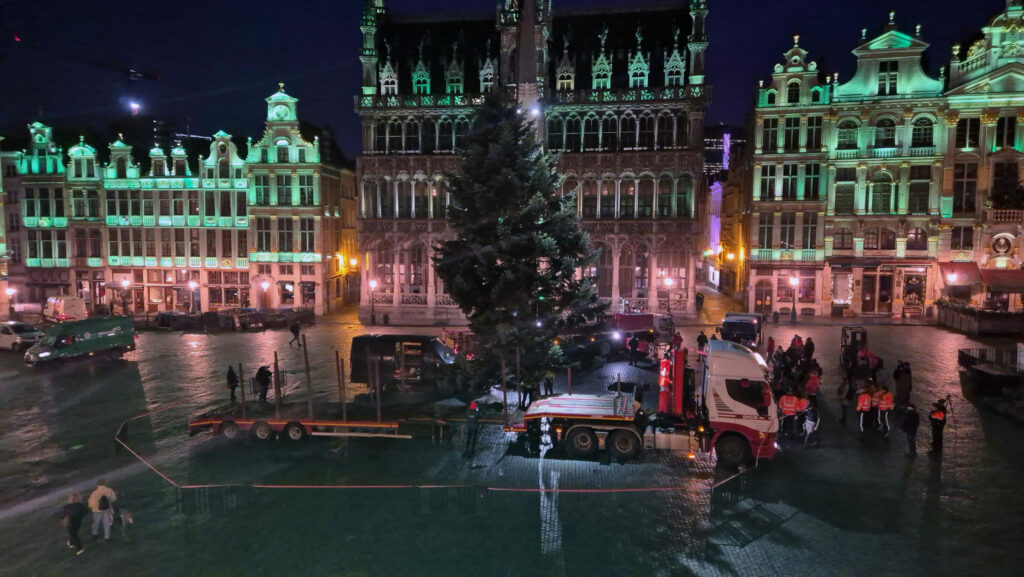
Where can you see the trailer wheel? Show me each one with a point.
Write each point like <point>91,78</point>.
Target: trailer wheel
<point>262,431</point>
<point>581,442</point>
<point>294,432</point>
<point>623,445</point>
<point>732,451</point>
<point>229,429</point>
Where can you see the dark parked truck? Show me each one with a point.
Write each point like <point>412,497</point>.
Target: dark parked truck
<point>102,336</point>
<point>743,328</point>
<point>408,363</point>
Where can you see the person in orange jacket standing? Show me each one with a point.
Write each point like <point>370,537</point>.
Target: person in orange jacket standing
<point>938,420</point>
<point>863,405</point>
<point>885,405</point>
<point>788,407</point>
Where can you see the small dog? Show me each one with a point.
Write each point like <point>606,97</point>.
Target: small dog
<point>123,518</point>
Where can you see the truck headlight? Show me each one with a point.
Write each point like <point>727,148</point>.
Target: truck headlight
<point>44,355</point>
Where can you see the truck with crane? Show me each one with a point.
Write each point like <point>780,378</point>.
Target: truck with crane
<point>730,411</point>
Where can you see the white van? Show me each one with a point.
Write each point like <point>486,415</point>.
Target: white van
<point>65,308</point>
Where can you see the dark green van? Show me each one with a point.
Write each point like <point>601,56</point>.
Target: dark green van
<point>101,336</point>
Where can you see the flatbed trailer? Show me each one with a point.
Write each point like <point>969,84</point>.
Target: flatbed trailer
<point>294,423</point>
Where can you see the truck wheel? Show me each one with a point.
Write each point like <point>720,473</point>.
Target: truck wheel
<point>229,429</point>
<point>581,442</point>
<point>732,451</point>
<point>294,432</point>
<point>623,445</point>
<point>262,431</point>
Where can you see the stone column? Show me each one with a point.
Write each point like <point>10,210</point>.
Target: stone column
<point>803,133</point>
<point>801,174</point>
<point>615,274</point>
<point>758,193</point>
<point>903,188</point>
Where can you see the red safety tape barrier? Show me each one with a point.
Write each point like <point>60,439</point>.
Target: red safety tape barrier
<point>147,463</point>
<point>160,410</point>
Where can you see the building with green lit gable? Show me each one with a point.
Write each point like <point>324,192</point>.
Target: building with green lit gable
<point>265,228</point>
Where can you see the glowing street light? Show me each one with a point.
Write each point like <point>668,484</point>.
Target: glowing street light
<point>125,283</point>
<point>951,277</point>
<point>352,262</point>
<point>793,282</point>
<point>192,286</point>
<point>10,291</point>
<point>134,106</point>
<point>668,283</point>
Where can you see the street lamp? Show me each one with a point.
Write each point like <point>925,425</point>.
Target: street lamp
<point>793,281</point>
<point>124,296</point>
<point>951,277</point>
<point>373,312</point>
<point>192,286</point>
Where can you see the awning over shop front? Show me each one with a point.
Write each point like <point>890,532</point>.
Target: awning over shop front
<point>960,273</point>
<point>1002,280</point>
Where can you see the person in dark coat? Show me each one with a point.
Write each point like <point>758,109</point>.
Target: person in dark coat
<point>702,341</point>
<point>472,430</point>
<point>296,328</point>
<point>71,516</point>
<point>232,382</point>
<point>909,425</point>
<point>809,348</point>
<point>263,382</point>
<point>904,383</point>
<point>634,349</point>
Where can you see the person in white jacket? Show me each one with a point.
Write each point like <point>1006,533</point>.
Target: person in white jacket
<point>101,503</point>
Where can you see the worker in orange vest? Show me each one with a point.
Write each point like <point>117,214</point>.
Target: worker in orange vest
<point>863,405</point>
<point>787,405</point>
<point>885,405</point>
<point>938,420</point>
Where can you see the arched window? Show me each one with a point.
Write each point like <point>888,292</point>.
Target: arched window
<point>404,199</point>
<point>607,197</point>
<point>591,133</point>
<point>445,135</point>
<point>885,133</point>
<point>572,134</point>
<point>887,239</point>
<point>412,136</point>
<point>569,185</point>
<point>842,239</point>
<point>429,136</point>
<point>411,264</point>
<point>610,133</point>
<point>628,131</point>
<point>556,132</point>
<point>588,199</point>
<point>770,98</point>
<point>383,261</point>
<point>793,93</point>
<point>881,193</point>
<point>646,141</point>
<point>223,168</point>
<point>847,135</point>
<point>922,133</point>
<point>666,132</point>
<point>666,200</point>
<point>420,190</point>
<point>684,196</point>
<point>439,199</point>
<point>394,136</point>
<point>682,130</point>
<point>645,199</point>
<point>917,239</point>
<point>815,95</point>
<point>386,192</point>
<point>122,168</point>
<point>462,127</point>
<point>627,198</point>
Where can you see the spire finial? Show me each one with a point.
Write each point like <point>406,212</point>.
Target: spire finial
<point>423,40</point>
<point>120,136</point>
<point>892,17</point>
<point>675,36</point>
<point>81,139</point>
<point>796,40</point>
<point>917,30</point>
<point>565,43</point>
<point>639,37</point>
<point>280,86</point>
<point>603,36</point>
<point>863,33</point>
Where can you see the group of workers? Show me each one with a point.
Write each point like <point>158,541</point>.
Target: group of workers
<point>796,380</point>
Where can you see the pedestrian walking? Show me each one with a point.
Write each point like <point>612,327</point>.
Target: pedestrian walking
<point>811,424</point>
<point>863,406</point>
<point>844,399</point>
<point>296,328</point>
<point>677,341</point>
<point>549,384</point>
<point>938,420</point>
<point>71,516</point>
<point>232,382</point>
<point>101,503</point>
<point>885,405</point>
<point>262,379</point>
<point>909,425</point>
<point>769,350</point>
<point>903,378</point>
<point>702,342</point>
<point>472,430</point>
<point>634,349</point>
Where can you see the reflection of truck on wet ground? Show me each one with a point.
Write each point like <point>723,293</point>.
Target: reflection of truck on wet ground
<point>405,389</point>
<point>746,329</point>
<point>730,410</point>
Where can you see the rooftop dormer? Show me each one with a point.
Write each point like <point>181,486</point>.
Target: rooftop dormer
<point>121,165</point>
<point>795,81</point>
<point>82,163</point>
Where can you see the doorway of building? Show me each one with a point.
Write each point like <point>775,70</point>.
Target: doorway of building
<point>763,297</point>
<point>877,293</point>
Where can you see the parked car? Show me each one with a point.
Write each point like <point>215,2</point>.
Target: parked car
<point>18,336</point>
<point>65,308</point>
<point>101,336</point>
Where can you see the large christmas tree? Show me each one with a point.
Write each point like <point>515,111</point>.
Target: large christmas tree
<point>512,266</point>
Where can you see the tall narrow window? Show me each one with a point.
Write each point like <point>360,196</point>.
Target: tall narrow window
<point>846,182</point>
<point>791,135</point>
<point>809,233</point>
<point>812,180</point>
<point>885,133</point>
<point>965,183</point>
<point>888,74</point>
<point>285,235</point>
<point>572,134</point>
<point>765,223</point>
<point>307,236</point>
<point>846,134</point>
<point>767,182</point>
<point>922,133</point>
<point>284,190</point>
<point>610,133</point>
<point>813,133</point>
<point>646,141</point>
<point>263,234</point>
<point>881,193</point>
<point>920,189</point>
<point>591,133</point>
<point>789,179</point>
<point>628,132</point>
<point>262,184</point>
<point>787,230</point>
<point>1006,129</point>
<point>770,134</point>
<point>666,132</point>
<point>306,189</point>
<point>793,93</point>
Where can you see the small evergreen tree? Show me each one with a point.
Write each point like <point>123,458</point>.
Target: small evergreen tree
<point>518,244</point>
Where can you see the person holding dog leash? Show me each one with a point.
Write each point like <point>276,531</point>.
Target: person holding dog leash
<point>101,503</point>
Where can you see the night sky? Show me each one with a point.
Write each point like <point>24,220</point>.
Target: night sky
<point>218,60</point>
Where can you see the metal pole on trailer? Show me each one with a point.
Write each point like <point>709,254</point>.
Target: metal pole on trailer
<point>569,378</point>
<point>341,383</point>
<point>309,380</point>
<point>504,393</point>
<point>377,386</point>
<point>241,375</point>
<point>277,389</point>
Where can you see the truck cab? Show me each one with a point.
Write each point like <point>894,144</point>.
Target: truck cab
<point>743,328</point>
<point>735,395</point>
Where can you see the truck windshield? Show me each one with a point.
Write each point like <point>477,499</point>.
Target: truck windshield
<point>47,341</point>
<point>748,330</point>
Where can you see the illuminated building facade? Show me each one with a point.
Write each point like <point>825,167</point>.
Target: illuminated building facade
<point>179,235</point>
<point>621,98</point>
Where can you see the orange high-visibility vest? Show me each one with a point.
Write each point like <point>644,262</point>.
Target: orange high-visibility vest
<point>876,398</point>
<point>802,404</point>
<point>886,403</point>
<point>788,404</point>
<point>938,415</point>
<point>863,403</point>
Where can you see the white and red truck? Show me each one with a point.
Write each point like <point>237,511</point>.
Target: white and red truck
<point>729,410</point>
